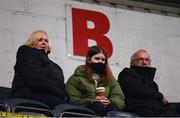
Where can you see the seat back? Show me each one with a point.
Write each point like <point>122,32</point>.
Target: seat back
<point>4,107</point>
<point>26,106</point>
<point>4,93</point>
<point>68,110</point>
<point>120,114</point>
<point>4,96</point>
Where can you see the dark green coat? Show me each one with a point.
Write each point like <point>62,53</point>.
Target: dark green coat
<point>81,91</point>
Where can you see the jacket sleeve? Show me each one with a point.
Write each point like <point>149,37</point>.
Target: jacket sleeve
<point>33,67</point>
<point>132,86</point>
<point>116,95</point>
<point>73,88</point>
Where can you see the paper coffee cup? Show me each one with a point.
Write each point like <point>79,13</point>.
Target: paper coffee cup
<point>100,91</point>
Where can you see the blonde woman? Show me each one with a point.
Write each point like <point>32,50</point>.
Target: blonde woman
<point>36,76</point>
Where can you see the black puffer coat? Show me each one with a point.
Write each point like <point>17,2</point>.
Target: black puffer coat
<point>36,75</point>
<point>140,89</point>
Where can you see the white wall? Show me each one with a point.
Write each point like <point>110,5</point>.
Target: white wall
<point>156,33</point>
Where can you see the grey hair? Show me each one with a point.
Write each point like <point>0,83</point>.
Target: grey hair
<point>134,55</point>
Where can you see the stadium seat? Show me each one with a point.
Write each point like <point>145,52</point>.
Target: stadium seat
<point>120,114</point>
<point>4,96</point>
<point>4,107</point>
<point>69,110</point>
<point>26,106</point>
<point>4,93</point>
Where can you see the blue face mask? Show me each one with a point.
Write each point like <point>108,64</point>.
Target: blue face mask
<point>98,67</point>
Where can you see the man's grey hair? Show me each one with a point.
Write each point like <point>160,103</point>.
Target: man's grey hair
<point>134,55</point>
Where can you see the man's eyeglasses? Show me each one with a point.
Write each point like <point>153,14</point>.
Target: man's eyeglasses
<point>143,59</point>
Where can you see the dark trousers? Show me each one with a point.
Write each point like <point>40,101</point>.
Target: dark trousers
<point>100,110</point>
<point>49,100</point>
<point>171,110</point>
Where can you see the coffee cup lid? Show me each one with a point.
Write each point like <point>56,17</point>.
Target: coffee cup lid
<point>99,88</point>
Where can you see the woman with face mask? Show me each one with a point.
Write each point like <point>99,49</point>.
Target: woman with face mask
<point>96,72</point>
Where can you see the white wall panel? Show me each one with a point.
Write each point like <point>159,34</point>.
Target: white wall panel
<point>7,72</point>
<point>17,5</point>
<point>47,7</point>
<point>149,22</point>
<point>59,29</point>
<point>6,41</point>
<point>32,22</point>
<point>6,19</point>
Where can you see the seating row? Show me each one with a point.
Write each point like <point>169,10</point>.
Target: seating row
<point>26,106</point>
<point>36,108</point>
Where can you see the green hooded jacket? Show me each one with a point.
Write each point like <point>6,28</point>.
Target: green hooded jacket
<point>82,92</point>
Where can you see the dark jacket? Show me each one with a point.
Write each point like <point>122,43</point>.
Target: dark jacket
<point>139,88</point>
<point>36,74</point>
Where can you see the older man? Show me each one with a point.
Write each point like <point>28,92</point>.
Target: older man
<point>142,95</point>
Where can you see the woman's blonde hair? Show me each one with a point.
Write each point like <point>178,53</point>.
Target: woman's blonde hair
<point>34,37</point>
<point>106,75</point>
